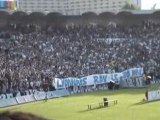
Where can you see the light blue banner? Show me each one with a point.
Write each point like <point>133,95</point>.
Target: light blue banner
<point>97,78</point>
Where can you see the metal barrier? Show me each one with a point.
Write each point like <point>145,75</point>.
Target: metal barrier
<point>5,102</point>
<point>8,102</point>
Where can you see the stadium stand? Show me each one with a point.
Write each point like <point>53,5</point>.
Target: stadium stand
<point>34,49</point>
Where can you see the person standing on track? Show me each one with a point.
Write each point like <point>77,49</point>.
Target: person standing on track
<point>46,98</point>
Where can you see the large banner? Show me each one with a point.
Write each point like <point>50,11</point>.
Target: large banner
<point>154,92</point>
<point>132,78</point>
<point>97,78</point>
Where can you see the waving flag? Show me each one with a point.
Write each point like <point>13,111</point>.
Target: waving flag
<point>8,4</point>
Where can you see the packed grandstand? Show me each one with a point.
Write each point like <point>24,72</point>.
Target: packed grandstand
<point>36,48</point>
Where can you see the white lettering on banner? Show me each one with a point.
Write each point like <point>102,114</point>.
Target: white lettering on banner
<point>132,72</point>
<point>110,40</point>
<point>97,78</point>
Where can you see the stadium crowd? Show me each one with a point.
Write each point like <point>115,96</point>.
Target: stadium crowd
<point>31,55</point>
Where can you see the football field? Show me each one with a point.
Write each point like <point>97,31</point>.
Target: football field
<point>130,107</point>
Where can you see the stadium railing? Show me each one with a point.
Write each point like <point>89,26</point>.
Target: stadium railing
<point>21,99</point>
<point>29,98</point>
<point>8,102</point>
<point>38,95</point>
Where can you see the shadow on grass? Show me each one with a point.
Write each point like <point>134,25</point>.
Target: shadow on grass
<point>145,102</point>
<point>95,108</point>
<point>113,92</point>
<point>9,109</point>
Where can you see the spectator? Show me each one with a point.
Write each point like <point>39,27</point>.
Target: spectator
<point>29,56</point>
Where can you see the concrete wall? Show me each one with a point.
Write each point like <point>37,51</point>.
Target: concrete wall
<point>124,18</point>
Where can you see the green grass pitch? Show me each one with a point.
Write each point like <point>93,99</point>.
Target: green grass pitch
<point>130,107</point>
